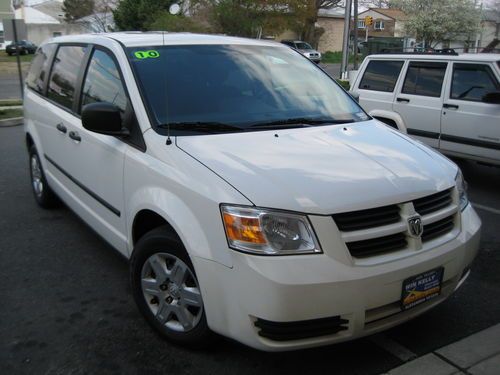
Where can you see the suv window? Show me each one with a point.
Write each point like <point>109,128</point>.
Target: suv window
<point>472,81</point>
<point>381,75</point>
<point>64,74</point>
<point>424,78</point>
<point>40,67</point>
<point>103,82</point>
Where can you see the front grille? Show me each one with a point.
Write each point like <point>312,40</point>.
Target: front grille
<point>284,331</point>
<point>432,203</point>
<point>379,245</point>
<point>374,217</point>
<point>437,228</point>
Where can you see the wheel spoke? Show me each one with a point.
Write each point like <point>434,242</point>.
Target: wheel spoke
<point>150,286</point>
<point>159,267</point>
<point>164,312</point>
<point>185,318</point>
<point>178,273</point>
<point>191,296</point>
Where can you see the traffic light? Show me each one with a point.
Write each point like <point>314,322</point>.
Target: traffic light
<point>368,20</point>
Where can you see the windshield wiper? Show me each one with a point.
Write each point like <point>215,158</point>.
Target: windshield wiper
<point>299,122</point>
<point>202,126</point>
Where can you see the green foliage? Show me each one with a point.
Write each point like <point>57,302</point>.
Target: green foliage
<point>437,21</point>
<point>344,84</point>
<point>330,57</point>
<point>76,9</point>
<point>139,14</point>
<point>10,113</point>
<point>168,22</point>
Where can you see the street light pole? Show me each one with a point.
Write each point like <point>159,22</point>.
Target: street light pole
<point>355,49</point>
<point>345,44</point>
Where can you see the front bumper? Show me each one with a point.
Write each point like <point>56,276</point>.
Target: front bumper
<point>364,298</point>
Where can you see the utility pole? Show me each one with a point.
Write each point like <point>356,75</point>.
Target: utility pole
<point>345,44</point>
<point>355,34</point>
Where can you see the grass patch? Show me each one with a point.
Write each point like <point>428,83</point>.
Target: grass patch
<point>344,84</point>
<point>10,113</point>
<point>10,102</point>
<point>4,57</point>
<point>330,57</point>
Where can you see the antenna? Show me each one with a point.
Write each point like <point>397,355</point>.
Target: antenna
<point>169,141</point>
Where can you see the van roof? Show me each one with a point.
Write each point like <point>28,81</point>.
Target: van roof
<point>157,38</point>
<point>460,57</point>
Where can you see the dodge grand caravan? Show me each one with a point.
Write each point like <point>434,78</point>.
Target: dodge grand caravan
<point>253,196</point>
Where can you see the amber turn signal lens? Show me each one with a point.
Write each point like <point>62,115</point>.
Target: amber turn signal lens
<point>246,229</point>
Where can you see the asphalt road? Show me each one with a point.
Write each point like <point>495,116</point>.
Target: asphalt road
<point>66,306</point>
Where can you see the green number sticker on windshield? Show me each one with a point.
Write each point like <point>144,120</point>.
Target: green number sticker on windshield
<point>151,54</point>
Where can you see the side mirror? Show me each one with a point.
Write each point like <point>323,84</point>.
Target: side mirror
<point>492,98</point>
<point>103,118</point>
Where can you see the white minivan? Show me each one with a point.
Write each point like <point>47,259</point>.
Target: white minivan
<point>254,197</point>
<point>449,101</point>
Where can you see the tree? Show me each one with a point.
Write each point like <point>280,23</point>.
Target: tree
<point>76,9</point>
<point>138,14</point>
<point>249,18</point>
<point>436,21</point>
<point>168,22</point>
<point>306,12</point>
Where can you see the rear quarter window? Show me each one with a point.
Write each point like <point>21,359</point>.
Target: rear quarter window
<point>424,78</point>
<point>40,68</point>
<point>381,75</point>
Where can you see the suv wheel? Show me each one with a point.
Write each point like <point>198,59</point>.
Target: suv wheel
<point>166,290</point>
<point>44,195</point>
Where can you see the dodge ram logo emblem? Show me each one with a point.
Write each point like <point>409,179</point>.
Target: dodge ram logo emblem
<point>415,226</point>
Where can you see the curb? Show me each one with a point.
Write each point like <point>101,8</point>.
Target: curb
<point>15,121</point>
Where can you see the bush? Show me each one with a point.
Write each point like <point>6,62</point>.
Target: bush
<point>344,84</point>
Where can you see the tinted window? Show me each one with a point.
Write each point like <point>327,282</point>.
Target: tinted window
<point>381,75</point>
<point>64,74</point>
<point>40,67</point>
<point>303,45</point>
<point>472,82</point>
<point>103,82</point>
<point>424,78</point>
<point>237,85</point>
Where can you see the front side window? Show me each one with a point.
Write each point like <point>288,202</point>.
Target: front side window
<point>381,75</point>
<point>40,67</point>
<point>424,78</point>
<point>303,45</point>
<point>472,81</point>
<point>237,85</point>
<point>64,74</point>
<point>103,82</point>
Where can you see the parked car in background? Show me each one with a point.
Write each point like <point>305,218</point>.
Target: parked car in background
<point>23,46</point>
<point>305,49</point>
<point>253,196</point>
<point>447,100</point>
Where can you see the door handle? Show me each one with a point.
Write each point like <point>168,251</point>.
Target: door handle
<point>446,105</point>
<point>61,128</point>
<point>75,136</point>
<point>404,100</point>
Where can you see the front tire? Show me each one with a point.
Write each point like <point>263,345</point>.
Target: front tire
<point>166,290</point>
<point>44,195</point>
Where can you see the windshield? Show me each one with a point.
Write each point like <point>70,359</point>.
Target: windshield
<point>303,45</point>
<point>236,86</point>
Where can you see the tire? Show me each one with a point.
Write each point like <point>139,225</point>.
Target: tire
<point>44,195</point>
<point>168,297</point>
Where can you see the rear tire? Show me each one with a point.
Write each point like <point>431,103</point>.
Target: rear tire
<point>44,195</point>
<point>166,290</point>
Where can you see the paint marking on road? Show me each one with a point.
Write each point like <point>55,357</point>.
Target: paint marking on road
<point>392,347</point>
<point>486,208</point>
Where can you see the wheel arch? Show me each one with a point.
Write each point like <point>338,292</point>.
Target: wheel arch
<point>389,118</point>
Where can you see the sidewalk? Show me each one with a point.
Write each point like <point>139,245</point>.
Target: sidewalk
<point>478,354</point>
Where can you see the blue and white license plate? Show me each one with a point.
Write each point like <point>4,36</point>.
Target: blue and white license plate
<point>421,288</point>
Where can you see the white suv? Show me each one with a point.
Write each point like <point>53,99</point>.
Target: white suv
<point>252,194</point>
<point>451,102</point>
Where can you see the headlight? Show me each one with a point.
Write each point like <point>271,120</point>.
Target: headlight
<point>462,190</point>
<point>268,232</point>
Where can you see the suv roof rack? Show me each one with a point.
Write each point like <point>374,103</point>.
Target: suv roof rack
<point>444,51</point>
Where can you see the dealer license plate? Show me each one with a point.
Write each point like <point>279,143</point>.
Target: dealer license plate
<point>421,288</point>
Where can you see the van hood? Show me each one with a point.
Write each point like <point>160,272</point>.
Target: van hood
<point>325,169</point>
